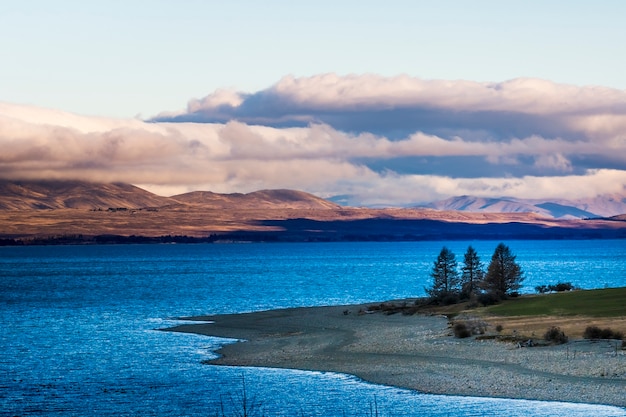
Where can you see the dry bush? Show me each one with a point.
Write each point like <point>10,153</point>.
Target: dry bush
<point>555,335</point>
<point>461,331</point>
<point>468,328</point>
<point>595,332</point>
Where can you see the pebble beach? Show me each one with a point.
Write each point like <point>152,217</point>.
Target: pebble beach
<point>417,352</point>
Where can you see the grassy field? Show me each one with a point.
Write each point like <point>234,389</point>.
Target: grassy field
<point>533,315</point>
<point>609,302</point>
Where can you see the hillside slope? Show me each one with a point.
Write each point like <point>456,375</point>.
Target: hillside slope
<point>264,199</point>
<point>58,194</point>
<point>600,206</point>
<point>53,194</point>
<point>76,212</point>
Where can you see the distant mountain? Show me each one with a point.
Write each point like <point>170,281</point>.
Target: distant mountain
<point>59,194</point>
<point>602,206</point>
<point>62,194</point>
<point>64,212</point>
<point>264,199</point>
<point>560,211</point>
<point>485,205</point>
<point>606,205</point>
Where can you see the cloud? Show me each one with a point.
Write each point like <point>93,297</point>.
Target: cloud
<point>398,106</point>
<point>556,161</point>
<point>375,140</point>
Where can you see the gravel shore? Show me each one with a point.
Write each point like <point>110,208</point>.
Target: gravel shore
<point>418,352</point>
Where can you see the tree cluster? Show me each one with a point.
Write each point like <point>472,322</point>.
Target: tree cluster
<point>502,278</point>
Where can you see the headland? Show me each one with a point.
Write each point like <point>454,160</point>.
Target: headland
<point>417,352</point>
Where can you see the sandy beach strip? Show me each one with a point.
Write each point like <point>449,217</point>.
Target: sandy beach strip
<point>417,352</point>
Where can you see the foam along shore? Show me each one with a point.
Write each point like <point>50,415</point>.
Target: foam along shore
<point>417,352</point>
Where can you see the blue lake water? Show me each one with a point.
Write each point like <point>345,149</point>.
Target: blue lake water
<point>78,324</point>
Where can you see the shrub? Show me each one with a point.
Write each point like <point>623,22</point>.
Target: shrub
<point>561,286</point>
<point>499,328</point>
<point>594,332</point>
<point>487,299</point>
<point>449,299</point>
<point>461,331</point>
<point>555,335</point>
<point>606,333</point>
<point>467,328</point>
<point>611,334</point>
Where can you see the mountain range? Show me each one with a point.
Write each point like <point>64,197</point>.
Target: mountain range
<point>53,194</point>
<point>58,194</point>
<point>35,210</point>
<point>600,206</point>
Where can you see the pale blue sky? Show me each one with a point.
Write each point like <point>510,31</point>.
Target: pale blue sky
<point>124,58</point>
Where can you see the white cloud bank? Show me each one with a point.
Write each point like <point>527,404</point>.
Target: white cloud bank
<point>383,141</point>
<point>375,103</point>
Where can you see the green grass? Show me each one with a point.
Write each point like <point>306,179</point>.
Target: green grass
<point>610,302</point>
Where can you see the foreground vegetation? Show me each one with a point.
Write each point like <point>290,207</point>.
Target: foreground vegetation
<point>544,318</point>
<point>501,280</point>
<point>514,317</point>
<point>610,302</point>
<point>579,314</point>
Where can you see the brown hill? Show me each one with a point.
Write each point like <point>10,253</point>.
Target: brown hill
<point>265,199</point>
<point>59,209</point>
<point>60,194</point>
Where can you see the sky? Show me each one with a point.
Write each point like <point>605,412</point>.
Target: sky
<point>381,103</point>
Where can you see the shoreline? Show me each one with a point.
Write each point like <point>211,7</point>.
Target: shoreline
<point>416,352</point>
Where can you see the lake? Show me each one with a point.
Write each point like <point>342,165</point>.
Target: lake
<point>80,324</point>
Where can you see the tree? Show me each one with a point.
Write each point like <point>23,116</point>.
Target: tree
<point>504,275</point>
<point>445,276</point>
<point>472,272</point>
